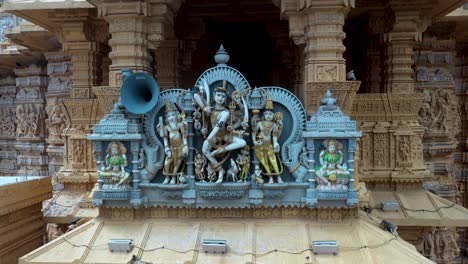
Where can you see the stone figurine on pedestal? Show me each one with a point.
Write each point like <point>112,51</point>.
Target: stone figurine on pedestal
<point>114,172</point>
<point>332,174</point>
<point>174,134</point>
<point>265,138</point>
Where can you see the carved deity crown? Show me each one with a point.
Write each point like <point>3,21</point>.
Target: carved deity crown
<point>170,107</point>
<point>269,104</point>
<point>223,88</point>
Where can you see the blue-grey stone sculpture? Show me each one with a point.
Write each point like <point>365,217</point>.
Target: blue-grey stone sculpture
<point>222,144</point>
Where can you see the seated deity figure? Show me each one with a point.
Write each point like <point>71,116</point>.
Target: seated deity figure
<point>332,173</point>
<point>265,138</point>
<point>174,134</point>
<point>115,164</point>
<point>220,130</point>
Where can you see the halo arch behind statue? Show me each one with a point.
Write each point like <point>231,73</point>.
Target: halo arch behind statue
<point>223,73</point>
<point>153,140</point>
<point>294,122</point>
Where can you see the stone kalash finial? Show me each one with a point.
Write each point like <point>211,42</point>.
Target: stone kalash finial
<point>328,100</point>
<point>221,57</point>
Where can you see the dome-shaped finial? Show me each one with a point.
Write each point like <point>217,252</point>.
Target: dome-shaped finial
<point>221,57</point>
<point>328,100</point>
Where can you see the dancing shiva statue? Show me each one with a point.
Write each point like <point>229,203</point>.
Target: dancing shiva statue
<point>222,128</point>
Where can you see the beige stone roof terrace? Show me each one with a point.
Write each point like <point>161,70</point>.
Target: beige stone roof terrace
<point>359,240</point>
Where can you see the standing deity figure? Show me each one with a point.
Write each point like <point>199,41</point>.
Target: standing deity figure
<point>115,164</point>
<point>243,161</point>
<point>220,130</point>
<point>56,122</point>
<point>174,133</point>
<point>21,128</point>
<point>332,169</point>
<point>265,138</point>
<point>141,159</point>
<point>199,162</point>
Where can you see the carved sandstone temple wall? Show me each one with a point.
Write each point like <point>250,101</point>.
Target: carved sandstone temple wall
<point>412,109</point>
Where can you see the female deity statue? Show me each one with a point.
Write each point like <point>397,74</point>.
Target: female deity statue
<point>265,138</point>
<point>176,149</point>
<point>332,169</point>
<point>222,124</point>
<point>115,162</point>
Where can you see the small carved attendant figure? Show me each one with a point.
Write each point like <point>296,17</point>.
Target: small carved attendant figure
<point>243,161</point>
<point>331,169</point>
<point>141,159</point>
<point>257,175</point>
<point>199,162</point>
<point>222,136</point>
<point>233,171</point>
<point>174,134</point>
<point>56,123</point>
<point>304,157</point>
<point>21,128</point>
<point>265,138</point>
<point>78,152</point>
<point>116,161</point>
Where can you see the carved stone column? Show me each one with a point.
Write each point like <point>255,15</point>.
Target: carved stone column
<point>167,66</point>
<point>59,69</point>
<point>375,52</point>
<point>404,28</point>
<point>439,113</point>
<point>82,36</point>
<point>319,25</point>
<point>8,165</point>
<point>461,154</point>
<point>31,83</point>
<point>128,25</point>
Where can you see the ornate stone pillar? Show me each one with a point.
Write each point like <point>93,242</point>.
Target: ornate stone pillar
<point>319,25</point>
<point>129,26</point>
<point>59,69</point>
<point>8,165</point>
<point>439,113</point>
<point>461,154</point>
<point>403,29</point>
<point>164,43</point>
<point>31,83</point>
<point>167,66</point>
<point>82,37</point>
<point>375,52</point>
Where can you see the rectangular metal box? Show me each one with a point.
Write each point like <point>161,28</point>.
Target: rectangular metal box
<point>214,246</point>
<point>390,206</point>
<point>325,247</point>
<point>120,245</point>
